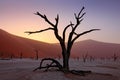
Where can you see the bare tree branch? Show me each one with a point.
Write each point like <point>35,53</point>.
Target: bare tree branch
<point>31,32</point>
<point>85,32</point>
<point>81,10</point>
<point>71,23</point>
<point>57,20</point>
<point>75,33</point>
<point>82,15</point>
<point>45,18</point>
<point>79,19</point>
<point>54,63</point>
<point>54,26</point>
<point>64,31</point>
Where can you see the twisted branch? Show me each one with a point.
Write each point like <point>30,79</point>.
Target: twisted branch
<point>54,63</point>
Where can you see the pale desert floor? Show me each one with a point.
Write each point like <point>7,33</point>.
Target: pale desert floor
<point>21,69</point>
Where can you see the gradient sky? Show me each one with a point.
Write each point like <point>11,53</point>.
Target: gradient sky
<point>16,17</point>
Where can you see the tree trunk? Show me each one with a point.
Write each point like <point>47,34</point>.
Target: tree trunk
<point>65,61</point>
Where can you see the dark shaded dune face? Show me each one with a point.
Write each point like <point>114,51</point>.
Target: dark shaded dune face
<point>14,45</point>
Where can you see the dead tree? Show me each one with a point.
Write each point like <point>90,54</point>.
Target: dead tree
<point>21,55</point>
<point>1,54</point>
<point>91,58</point>
<point>72,36</point>
<point>37,56</point>
<point>77,58</point>
<point>12,56</point>
<point>84,56</point>
<point>115,57</point>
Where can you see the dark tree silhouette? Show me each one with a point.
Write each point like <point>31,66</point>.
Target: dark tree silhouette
<point>85,56</point>
<point>37,56</point>
<point>1,54</point>
<point>21,55</point>
<point>53,63</point>
<point>72,36</point>
<point>12,56</point>
<point>91,58</point>
<point>115,57</point>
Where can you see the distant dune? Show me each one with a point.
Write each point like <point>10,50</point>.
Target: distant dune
<point>96,48</point>
<point>14,45</point>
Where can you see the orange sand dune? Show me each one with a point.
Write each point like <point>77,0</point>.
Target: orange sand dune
<point>14,45</point>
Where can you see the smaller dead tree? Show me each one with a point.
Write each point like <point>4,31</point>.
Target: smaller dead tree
<point>92,58</point>
<point>37,56</point>
<point>115,57</point>
<point>77,58</point>
<point>84,56</point>
<point>12,56</point>
<point>21,55</point>
<point>102,58</point>
<point>1,54</point>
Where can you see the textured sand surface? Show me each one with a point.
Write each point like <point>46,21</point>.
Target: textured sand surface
<point>17,69</point>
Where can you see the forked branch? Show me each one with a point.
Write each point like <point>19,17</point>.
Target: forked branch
<point>85,32</point>
<point>57,19</point>
<point>45,18</point>
<point>54,27</point>
<point>64,31</point>
<point>79,19</point>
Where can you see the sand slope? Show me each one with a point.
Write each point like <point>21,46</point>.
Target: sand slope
<point>15,45</point>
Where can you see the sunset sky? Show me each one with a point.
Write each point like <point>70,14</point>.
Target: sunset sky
<point>17,16</point>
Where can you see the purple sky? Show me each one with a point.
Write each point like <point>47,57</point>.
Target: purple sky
<point>16,16</point>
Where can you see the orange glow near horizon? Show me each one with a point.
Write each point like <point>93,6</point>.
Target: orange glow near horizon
<point>18,17</point>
